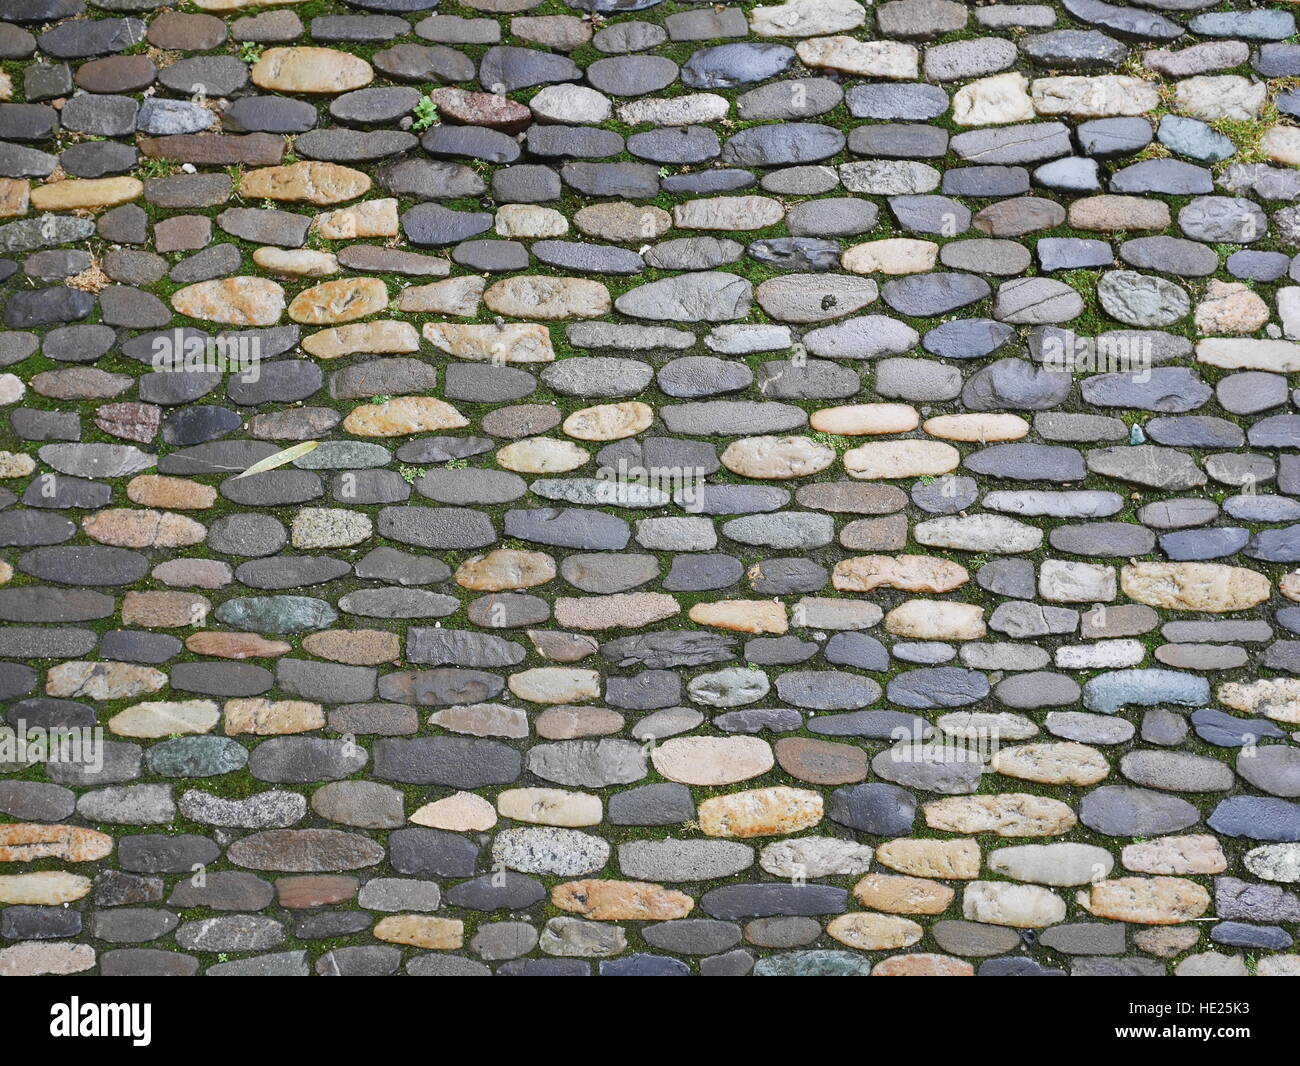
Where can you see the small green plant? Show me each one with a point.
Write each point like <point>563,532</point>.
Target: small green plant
<point>410,474</point>
<point>156,168</point>
<point>426,114</point>
<point>250,51</point>
<point>457,464</point>
<point>380,399</point>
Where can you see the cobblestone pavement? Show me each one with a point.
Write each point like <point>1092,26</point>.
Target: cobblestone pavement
<point>794,489</point>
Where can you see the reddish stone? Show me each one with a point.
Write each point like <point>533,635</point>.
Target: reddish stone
<point>130,421</point>
<point>467,108</point>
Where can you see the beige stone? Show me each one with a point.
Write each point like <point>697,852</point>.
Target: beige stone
<point>155,720</point>
<point>548,297</point>
<point>555,684</point>
<point>240,301</point>
<point>977,428</point>
<point>615,901</point>
<point>1230,307</point>
<point>874,932</point>
<point>482,720</point>
<point>235,645</point>
<point>862,419</point>
<point>164,610</point>
<point>382,337</point>
<point>550,806</point>
<point>1274,697</point>
<point>356,647</point>
<point>344,300</point>
<point>296,262</point>
<point>1243,353</point>
<point>1208,587</point>
<point>761,812</point>
<point>29,841</point>
<point>1282,145</point>
<point>373,218</point>
<point>46,888</point>
<point>33,958</point>
<point>1195,853</point>
<point>310,70</point>
<point>102,681</point>
<point>16,464</point>
<point>609,421</point>
<point>15,196</point>
<point>901,459</point>
<point>170,493</point>
<point>511,342</point>
<point>623,221</point>
<point>542,455</point>
<point>1147,900</point>
<point>529,222</point>
<point>1016,905</point>
<point>911,573</point>
<point>75,194</point>
<point>1225,96</point>
<point>1094,97</point>
<point>872,59</point>
<point>124,528</point>
<point>712,760</point>
<point>777,458</point>
<point>259,716</point>
<point>422,931</point>
<point>458,296</point>
<point>1012,814</point>
<point>899,894</point>
<point>505,568</point>
<point>742,616</point>
<point>574,723</point>
<point>922,964</point>
<point>945,859</point>
<point>461,812</point>
<point>308,181</point>
<point>993,101</point>
<point>1113,214</point>
<point>624,610</point>
<point>1064,763</point>
<point>729,213</point>
<point>894,255</point>
<point>936,620</point>
<point>402,415</point>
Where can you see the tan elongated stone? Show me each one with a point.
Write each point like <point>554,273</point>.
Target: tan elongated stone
<point>900,894</point>
<point>170,493</point>
<point>102,681</point>
<point>1195,853</point>
<point>310,70</point>
<point>1209,587</point>
<point>1017,905</point>
<point>936,620</point>
<point>777,458</point>
<point>422,931</point>
<point>344,300</point>
<point>911,573</point>
<point>872,59</point>
<point>45,888</point>
<point>542,455</point>
<point>529,222</point>
<point>505,568</point>
<point>259,716</point>
<point>296,262</point>
<point>76,194</point>
<point>993,101</point>
<point>945,859</point>
<point>1110,214</point>
<point>623,221</point>
<point>1011,814</point>
<point>511,342</point>
<point>712,760</point>
<point>356,647</point>
<point>34,958</point>
<point>624,610</point>
<point>402,415</point>
<point>729,213</point>
<point>1274,697</point>
<point>29,841</point>
<point>573,723</point>
<point>550,806</point>
<point>609,421</point>
<point>373,218</point>
<point>125,528</point>
<point>15,196</point>
<point>1066,763</point>
<point>616,901</point>
<point>308,181</point>
<point>1094,97</point>
<point>894,255</point>
<point>555,684</point>
<point>862,419</point>
<point>362,338</point>
<point>901,459</point>
<point>235,645</point>
<point>548,298</point>
<point>459,296</point>
<point>1147,900</point>
<point>240,301</point>
<point>742,616</point>
<point>761,812</point>
<point>482,720</point>
<point>461,812</point>
<point>874,932</point>
<point>157,719</point>
<point>981,428</point>
<point>923,964</point>
<point>1246,353</point>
